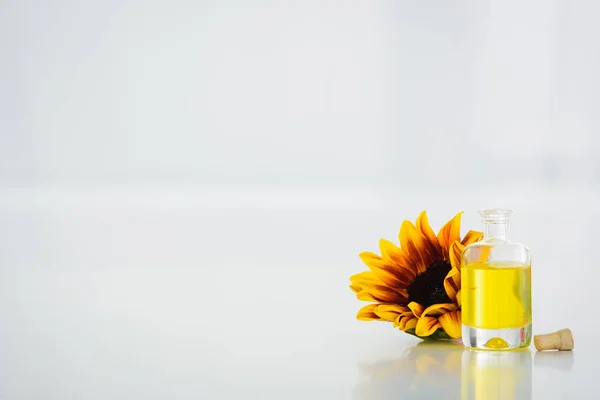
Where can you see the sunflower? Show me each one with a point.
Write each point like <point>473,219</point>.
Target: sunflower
<point>416,286</point>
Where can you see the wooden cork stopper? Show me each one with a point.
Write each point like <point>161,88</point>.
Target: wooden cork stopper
<point>561,340</point>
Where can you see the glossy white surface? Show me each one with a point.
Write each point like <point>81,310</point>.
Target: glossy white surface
<point>172,295</point>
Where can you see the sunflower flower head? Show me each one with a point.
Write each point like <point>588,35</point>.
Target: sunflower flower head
<point>416,286</point>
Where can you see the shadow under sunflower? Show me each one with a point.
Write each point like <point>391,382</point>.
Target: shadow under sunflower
<point>416,286</point>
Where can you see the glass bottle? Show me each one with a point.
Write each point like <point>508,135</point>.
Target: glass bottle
<point>496,288</point>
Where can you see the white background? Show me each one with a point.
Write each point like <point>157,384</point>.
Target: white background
<point>185,186</point>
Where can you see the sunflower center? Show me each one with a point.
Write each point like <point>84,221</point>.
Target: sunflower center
<point>428,287</point>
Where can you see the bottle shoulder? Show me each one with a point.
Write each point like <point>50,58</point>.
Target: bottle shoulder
<point>497,244</point>
<point>497,252</point>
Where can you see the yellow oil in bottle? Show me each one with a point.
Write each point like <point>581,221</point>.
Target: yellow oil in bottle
<point>496,296</point>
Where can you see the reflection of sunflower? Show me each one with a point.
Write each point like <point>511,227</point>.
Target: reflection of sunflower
<point>416,286</point>
<point>425,371</point>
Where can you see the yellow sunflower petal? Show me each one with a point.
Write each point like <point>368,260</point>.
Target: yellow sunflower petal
<point>395,255</point>
<point>413,244</point>
<point>367,313</point>
<point>452,323</point>
<point>397,308</point>
<point>365,296</point>
<point>390,312</point>
<point>452,283</point>
<point>356,287</point>
<point>405,323</point>
<point>362,280</point>
<point>366,276</point>
<point>388,273</point>
<point>429,234</point>
<point>456,250</point>
<point>381,294</point>
<point>459,298</point>
<point>426,326</point>
<point>472,237</point>
<point>480,253</point>
<point>450,233</point>
<point>438,309</point>
<point>416,308</point>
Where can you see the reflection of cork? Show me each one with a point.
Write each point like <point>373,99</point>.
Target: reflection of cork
<point>560,340</point>
<point>560,360</point>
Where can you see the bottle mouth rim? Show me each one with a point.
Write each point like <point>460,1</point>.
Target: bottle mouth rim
<point>495,214</point>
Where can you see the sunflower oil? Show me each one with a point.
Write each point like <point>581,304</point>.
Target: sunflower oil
<point>496,288</point>
<point>496,296</point>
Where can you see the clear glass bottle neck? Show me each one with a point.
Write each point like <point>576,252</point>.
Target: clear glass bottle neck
<point>496,231</point>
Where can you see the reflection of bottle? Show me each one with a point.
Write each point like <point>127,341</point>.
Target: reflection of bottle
<point>496,375</point>
<point>496,288</point>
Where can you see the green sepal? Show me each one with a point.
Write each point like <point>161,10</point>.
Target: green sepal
<point>439,334</point>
